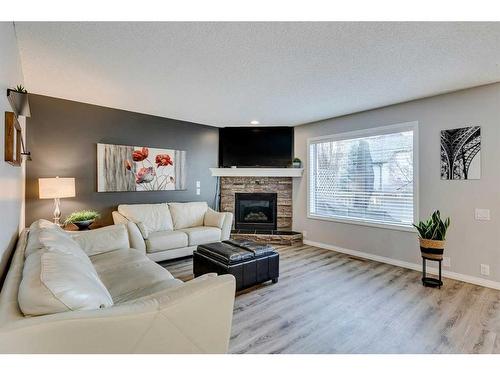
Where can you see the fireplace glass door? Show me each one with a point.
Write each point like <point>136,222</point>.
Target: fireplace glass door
<point>256,211</point>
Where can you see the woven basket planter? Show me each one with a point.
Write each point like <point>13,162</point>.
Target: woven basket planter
<point>432,249</point>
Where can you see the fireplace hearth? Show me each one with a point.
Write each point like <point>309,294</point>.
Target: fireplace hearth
<point>256,211</point>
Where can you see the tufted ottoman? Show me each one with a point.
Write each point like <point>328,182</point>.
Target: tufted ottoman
<point>250,263</point>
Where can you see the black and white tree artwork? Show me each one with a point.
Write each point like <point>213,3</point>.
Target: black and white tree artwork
<point>461,153</point>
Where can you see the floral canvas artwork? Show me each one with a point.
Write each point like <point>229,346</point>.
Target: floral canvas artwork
<point>139,168</point>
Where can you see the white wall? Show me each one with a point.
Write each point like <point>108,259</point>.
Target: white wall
<point>11,178</point>
<point>469,242</point>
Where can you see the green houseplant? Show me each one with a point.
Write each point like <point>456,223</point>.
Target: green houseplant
<point>20,89</point>
<point>432,235</point>
<point>82,219</point>
<point>297,163</point>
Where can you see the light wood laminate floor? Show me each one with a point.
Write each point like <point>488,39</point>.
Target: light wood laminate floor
<point>327,302</point>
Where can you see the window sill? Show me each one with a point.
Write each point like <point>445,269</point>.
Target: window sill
<point>402,228</point>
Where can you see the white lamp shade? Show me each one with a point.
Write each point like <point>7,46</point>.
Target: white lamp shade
<point>56,187</point>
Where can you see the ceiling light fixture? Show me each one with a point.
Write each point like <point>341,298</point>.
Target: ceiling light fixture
<point>254,122</point>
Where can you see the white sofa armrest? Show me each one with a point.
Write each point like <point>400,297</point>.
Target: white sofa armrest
<point>134,234</point>
<point>221,220</point>
<point>227,225</point>
<point>118,218</point>
<point>213,218</point>
<point>202,309</point>
<point>194,317</point>
<point>102,240</point>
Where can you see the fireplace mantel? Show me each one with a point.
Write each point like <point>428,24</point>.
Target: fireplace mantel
<point>257,172</point>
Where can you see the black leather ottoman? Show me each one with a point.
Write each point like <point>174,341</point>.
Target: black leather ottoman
<point>249,262</point>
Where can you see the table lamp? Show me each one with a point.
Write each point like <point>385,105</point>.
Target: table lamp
<point>56,188</point>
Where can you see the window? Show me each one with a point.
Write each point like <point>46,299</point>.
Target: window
<point>366,177</point>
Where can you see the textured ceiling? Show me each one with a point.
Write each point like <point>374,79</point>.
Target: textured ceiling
<point>227,74</point>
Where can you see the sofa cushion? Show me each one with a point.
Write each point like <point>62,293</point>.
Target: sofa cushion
<point>148,217</point>
<point>127,273</point>
<point>187,215</point>
<point>55,282</point>
<point>202,235</point>
<point>36,227</point>
<point>166,240</point>
<point>115,259</point>
<point>61,241</point>
<point>134,294</point>
<point>112,237</point>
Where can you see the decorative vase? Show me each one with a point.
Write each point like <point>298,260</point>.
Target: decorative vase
<point>432,249</point>
<point>83,225</point>
<point>297,164</point>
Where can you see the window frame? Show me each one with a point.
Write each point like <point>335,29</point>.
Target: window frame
<point>379,130</point>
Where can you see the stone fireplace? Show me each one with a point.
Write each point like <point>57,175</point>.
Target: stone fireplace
<point>280,187</point>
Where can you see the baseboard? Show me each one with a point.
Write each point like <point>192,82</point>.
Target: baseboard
<point>413,266</point>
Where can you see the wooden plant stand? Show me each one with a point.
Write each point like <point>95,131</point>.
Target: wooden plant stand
<point>431,281</point>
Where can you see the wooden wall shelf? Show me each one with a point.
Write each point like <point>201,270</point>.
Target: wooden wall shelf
<point>12,139</point>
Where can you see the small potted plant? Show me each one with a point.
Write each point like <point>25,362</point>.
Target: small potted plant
<point>20,89</point>
<point>432,236</point>
<point>297,163</point>
<point>82,219</point>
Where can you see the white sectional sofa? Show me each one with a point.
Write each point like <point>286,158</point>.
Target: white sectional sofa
<point>90,292</point>
<point>172,230</point>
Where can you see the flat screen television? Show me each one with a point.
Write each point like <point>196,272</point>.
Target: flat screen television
<point>266,146</point>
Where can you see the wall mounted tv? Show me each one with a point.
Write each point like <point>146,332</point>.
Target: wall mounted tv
<point>266,146</point>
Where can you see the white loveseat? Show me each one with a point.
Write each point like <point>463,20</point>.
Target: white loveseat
<point>89,292</point>
<point>172,230</point>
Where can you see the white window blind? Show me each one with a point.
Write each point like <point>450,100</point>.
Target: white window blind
<point>367,176</point>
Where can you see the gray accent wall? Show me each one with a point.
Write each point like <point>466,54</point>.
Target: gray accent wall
<point>469,242</point>
<point>62,136</point>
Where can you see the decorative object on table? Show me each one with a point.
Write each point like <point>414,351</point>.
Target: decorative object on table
<point>461,153</point>
<point>56,188</point>
<point>137,168</point>
<point>297,163</point>
<point>432,238</point>
<point>82,219</point>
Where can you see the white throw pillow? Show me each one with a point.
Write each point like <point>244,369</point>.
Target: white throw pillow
<point>148,217</point>
<point>187,215</point>
<point>55,282</point>
<point>213,219</point>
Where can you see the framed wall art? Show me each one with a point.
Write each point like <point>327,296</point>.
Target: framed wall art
<point>139,168</point>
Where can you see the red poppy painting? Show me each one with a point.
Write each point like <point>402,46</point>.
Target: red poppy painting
<point>139,168</point>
